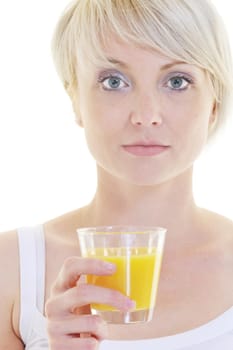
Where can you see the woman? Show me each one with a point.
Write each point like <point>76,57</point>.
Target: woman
<point>150,83</point>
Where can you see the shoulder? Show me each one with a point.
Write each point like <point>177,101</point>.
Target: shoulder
<point>219,253</point>
<point>9,264</point>
<point>9,281</point>
<point>9,255</point>
<point>218,230</point>
<point>216,223</point>
<point>64,227</point>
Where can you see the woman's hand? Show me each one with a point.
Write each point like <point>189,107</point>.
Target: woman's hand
<point>68,326</point>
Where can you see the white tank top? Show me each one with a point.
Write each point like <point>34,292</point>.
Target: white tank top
<point>214,335</point>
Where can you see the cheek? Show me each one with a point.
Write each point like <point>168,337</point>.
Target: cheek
<point>104,115</point>
<point>100,125</point>
<point>189,118</point>
<point>189,130</point>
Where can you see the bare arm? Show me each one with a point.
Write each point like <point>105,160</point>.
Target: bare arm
<point>9,293</point>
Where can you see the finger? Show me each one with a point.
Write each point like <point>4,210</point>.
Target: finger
<point>85,294</point>
<point>74,267</point>
<point>79,326</point>
<point>73,343</point>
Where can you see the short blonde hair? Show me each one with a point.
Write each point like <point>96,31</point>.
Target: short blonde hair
<point>188,30</point>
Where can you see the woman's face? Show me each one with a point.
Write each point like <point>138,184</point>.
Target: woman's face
<point>147,119</point>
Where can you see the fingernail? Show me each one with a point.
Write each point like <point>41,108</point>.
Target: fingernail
<point>131,304</point>
<point>109,266</point>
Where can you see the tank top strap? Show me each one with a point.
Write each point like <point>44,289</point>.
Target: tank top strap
<point>32,275</point>
<point>40,268</point>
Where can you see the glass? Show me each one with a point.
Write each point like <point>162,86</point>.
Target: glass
<point>137,253</point>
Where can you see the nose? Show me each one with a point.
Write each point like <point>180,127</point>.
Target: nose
<point>146,110</point>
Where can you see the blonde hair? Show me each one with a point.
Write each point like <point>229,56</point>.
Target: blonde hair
<point>188,30</point>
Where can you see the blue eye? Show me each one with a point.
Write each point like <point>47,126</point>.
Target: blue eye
<point>112,82</point>
<point>179,83</point>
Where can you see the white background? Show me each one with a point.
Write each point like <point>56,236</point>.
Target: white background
<point>45,168</point>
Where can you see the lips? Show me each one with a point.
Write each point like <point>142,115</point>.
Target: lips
<point>144,150</point>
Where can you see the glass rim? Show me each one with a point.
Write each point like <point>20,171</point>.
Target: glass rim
<point>124,229</point>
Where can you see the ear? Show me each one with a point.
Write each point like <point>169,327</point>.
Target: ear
<point>79,122</point>
<point>78,117</point>
<point>214,115</point>
<point>76,109</point>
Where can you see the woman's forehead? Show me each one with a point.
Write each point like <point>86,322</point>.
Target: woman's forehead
<point>123,55</point>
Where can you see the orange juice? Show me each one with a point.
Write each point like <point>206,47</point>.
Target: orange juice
<point>136,275</point>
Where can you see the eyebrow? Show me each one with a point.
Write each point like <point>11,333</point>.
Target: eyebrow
<point>164,67</point>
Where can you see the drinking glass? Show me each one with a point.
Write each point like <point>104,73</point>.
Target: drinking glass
<point>137,253</point>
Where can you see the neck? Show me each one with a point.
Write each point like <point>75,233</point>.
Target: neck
<point>170,205</point>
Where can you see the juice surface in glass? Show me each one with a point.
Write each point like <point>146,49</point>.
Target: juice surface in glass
<point>137,274</point>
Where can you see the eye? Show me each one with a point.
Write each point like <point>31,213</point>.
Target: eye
<point>112,82</point>
<point>179,83</point>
